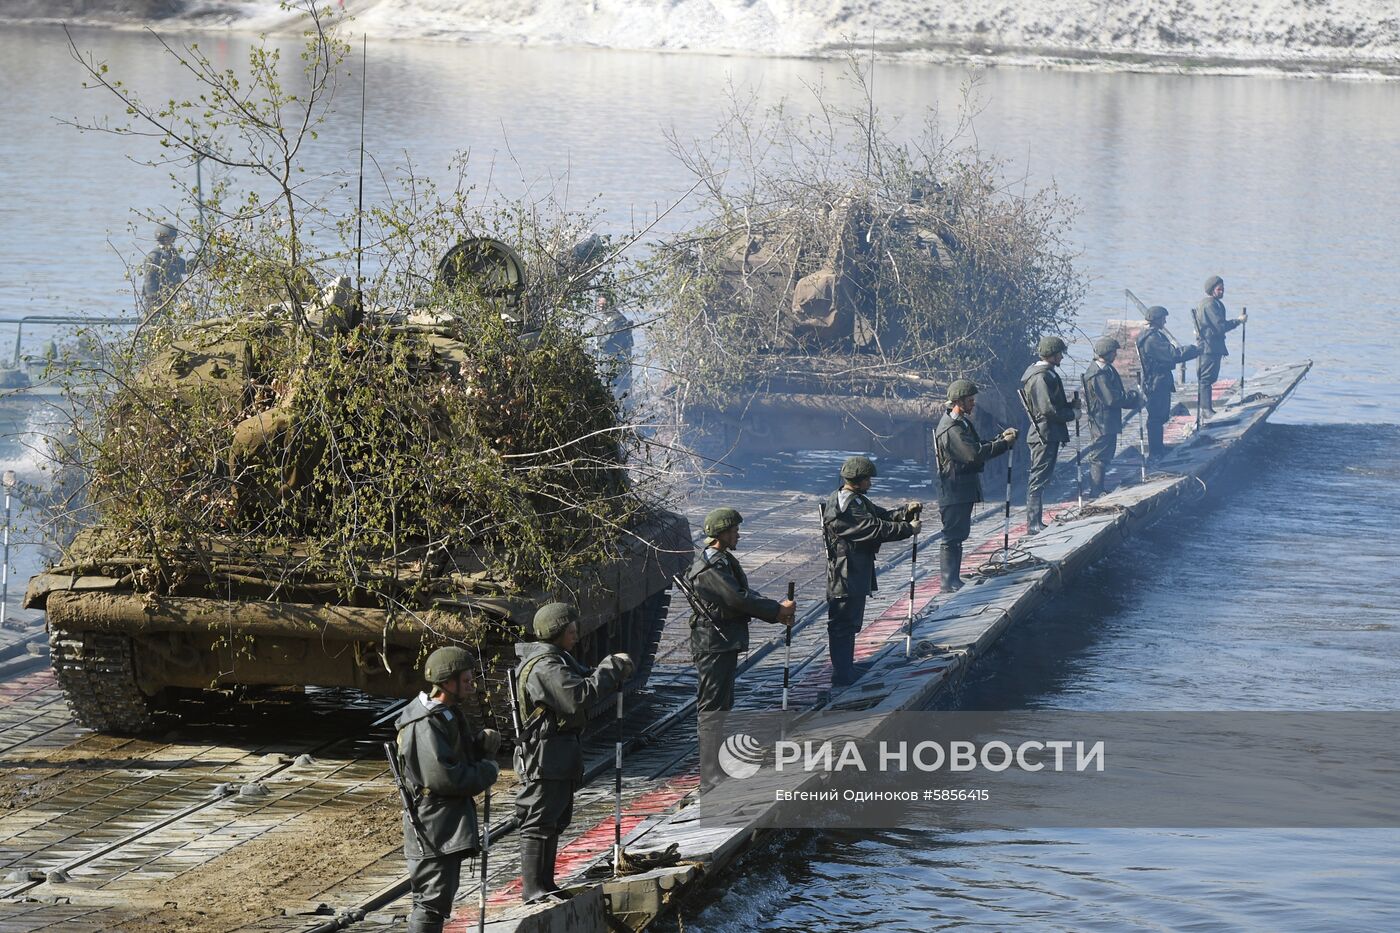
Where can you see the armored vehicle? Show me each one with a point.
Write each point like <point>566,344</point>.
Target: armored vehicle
<point>835,329</point>
<point>136,630</point>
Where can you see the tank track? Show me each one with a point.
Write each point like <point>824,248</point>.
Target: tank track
<point>98,675</point>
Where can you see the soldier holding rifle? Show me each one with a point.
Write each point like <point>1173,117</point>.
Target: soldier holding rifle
<point>551,693</point>
<point>722,605</point>
<point>440,762</point>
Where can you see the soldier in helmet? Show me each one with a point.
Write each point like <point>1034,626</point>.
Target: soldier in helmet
<point>554,692</point>
<point>725,604</point>
<point>961,455</point>
<point>854,528</point>
<point>1158,356</point>
<point>1104,402</point>
<point>1043,394</point>
<point>444,762</point>
<point>163,270</point>
<point>613,337</point>
<point>1211,327</point>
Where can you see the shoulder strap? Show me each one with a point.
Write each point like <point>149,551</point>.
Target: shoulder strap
<point>522,698</point>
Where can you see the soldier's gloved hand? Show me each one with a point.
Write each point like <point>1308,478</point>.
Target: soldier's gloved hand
<point>1244,316</point>
<point>1074,402</point>
<point>1010,435</point>
<point>918,525</point>
<point>787,612</point>
<point>624,664</point>
<point>490,742</point>
<point>913,507</point>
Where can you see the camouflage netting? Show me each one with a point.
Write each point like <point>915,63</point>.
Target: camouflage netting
<point>835,259</point>
<point>302,443</point>
<point>272,432</point>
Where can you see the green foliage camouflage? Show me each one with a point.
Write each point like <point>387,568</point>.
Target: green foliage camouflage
<point>832,257</point>
<point>269,433</point>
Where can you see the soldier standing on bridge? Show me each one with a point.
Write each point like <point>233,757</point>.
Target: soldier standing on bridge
<point>1158,357</point>
<point>723,606</point>
<point>1211,328</point>
<point>444,763</point>
<point>961,456</point>
<point>554,693</point>
<point>1104,402</point>
<point>163,270</point>
<point>854,528</point>
<point>1043,394</point>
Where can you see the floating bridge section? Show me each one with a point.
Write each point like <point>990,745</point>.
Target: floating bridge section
<point>99,833</point>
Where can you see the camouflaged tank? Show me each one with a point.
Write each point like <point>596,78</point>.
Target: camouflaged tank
<point>818,342</point>
<point>128,652</point>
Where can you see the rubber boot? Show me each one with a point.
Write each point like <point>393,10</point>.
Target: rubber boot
<point>547,860</point>
<point>536,874</point>
<point>1095,480</point>
<point>424,926</point>
<point>1034,525</point>
<point>843,651</point>
<point>1205,398</point>
<point>950,561</point>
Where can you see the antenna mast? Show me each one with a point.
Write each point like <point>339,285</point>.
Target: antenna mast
<point>360,211</point>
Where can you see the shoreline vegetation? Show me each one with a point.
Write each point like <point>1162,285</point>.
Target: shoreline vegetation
<point>1346,49</point>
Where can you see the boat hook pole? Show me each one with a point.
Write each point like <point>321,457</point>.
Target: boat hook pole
<point>485,819</point>
<point>1142,417</point>
<point>617,791</point>
<point>1244,332</point>
<point>787,644</point>
<point>909,620</point>
<point>1006,528</point>
<point>1078,457</point>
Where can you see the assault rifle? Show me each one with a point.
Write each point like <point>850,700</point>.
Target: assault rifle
<point>410,806</point>
<point>524,730</point>
<point>1142,309</point>
<point>700,607</point>
<point>1026,404</point>
<point>826,535</point>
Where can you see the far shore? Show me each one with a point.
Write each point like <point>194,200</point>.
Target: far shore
<point>1227,62</point>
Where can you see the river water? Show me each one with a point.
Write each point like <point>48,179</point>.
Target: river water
<point>1276,591</point>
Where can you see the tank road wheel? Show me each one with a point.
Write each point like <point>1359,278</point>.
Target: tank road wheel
<point>98,675</point>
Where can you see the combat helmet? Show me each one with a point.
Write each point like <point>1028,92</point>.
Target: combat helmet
<point>552,618</point>
<point>961,388</point>
<point>720,520</point>
<point>1156,313</point>
<point>858,468</point>
<point>1051,345</point>
<point>1106,345</point>
<point>445,663</point>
